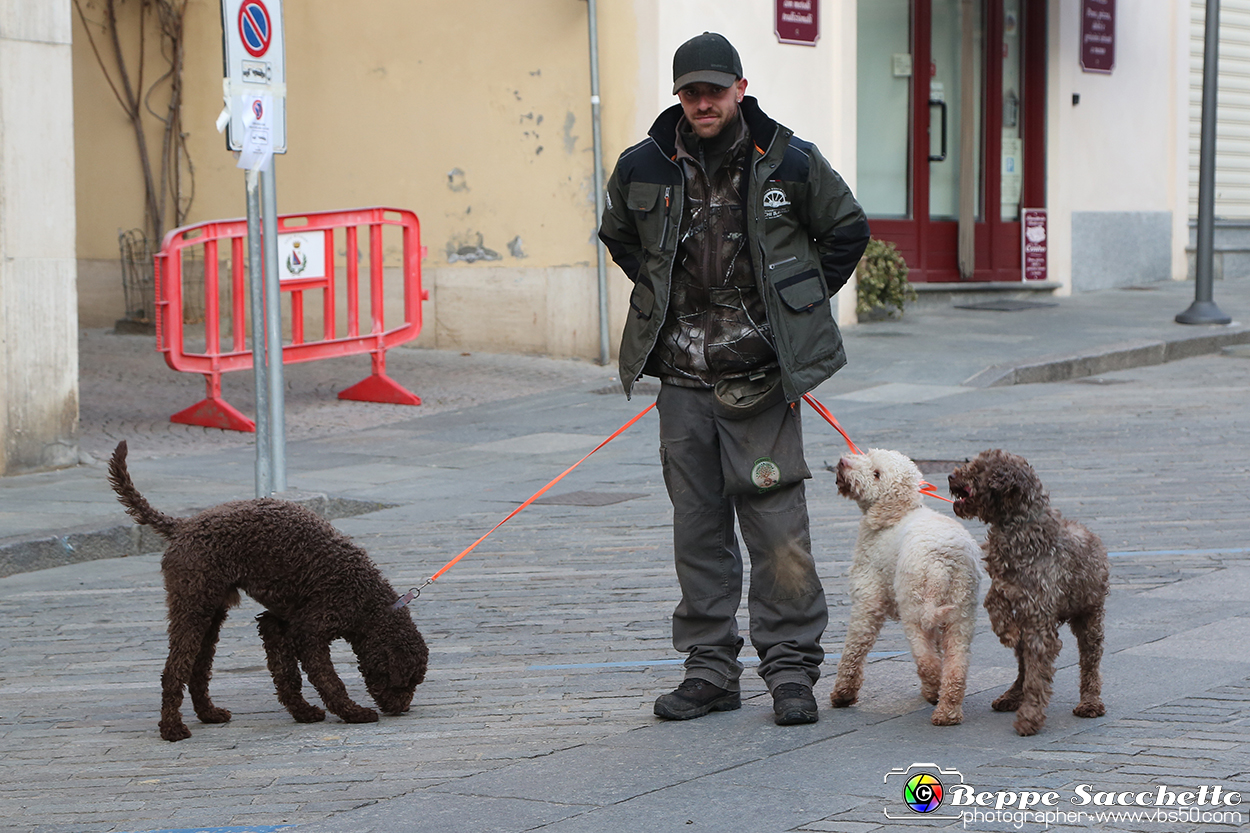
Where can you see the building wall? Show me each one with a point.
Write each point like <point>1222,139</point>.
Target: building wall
<point>1232,173</point>
<point>810,89</point>
<point>1116,203</point>
<point>38,336</point>
<point>1231,255</point>
<point>478,120</point>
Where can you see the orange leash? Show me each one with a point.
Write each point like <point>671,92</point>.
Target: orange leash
<point>829,418</point>
<point>416,591</point>
<point>926,488</point>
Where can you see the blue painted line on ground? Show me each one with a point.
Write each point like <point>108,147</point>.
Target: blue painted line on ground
<point>643,663</point>
<point>264,828</point>
<point>1229,551</point>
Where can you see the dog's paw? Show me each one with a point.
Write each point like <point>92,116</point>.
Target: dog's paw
<point>842,699</point>
<point>947,717</point>
<point>1009,701</point>
<point>1027,728</point>
<point>308,713</point>
<point>213,715</point>
<point>174,731</point>
<point>360,714</point>
<point>1094,709</point>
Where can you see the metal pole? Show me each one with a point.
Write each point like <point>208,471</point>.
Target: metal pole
<point>596,129</point>
<point>1203,310</point>
<point>255,276</point>
<point>273,330</point>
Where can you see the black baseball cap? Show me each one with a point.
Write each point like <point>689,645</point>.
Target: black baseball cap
<point>707,58</point>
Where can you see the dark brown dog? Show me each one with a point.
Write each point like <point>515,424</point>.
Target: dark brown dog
<point>316,586</point>
<point>1044,571</point>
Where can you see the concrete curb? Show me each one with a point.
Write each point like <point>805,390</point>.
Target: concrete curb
<point>125,539</point>
<point>1123,356</point>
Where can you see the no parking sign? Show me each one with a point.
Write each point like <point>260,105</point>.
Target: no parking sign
<point>255,83</point>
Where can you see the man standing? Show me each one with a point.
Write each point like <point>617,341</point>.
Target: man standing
<point>736,234</point>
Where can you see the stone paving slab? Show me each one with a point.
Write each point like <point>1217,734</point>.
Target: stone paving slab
<point>550,642</point>
<point>502,740</point>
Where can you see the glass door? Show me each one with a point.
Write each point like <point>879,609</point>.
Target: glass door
<point>949,130</point>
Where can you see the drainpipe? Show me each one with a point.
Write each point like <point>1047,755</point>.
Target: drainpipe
<point>600,252</point>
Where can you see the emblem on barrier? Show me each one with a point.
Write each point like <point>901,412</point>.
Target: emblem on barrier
<point>296,261</point>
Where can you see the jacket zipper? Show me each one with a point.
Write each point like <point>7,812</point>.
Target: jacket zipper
<point>668,198</point>
<point>781,263</point>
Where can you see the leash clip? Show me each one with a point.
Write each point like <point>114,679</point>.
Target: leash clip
<point>412,594</point>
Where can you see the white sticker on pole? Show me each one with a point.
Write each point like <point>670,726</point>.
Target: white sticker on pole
<point>257,132</point>
<point>254,48</point>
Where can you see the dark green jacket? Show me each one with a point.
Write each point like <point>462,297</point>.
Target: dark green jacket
<point>806,230</point>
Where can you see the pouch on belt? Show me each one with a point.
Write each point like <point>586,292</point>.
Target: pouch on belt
<point>761,436</point>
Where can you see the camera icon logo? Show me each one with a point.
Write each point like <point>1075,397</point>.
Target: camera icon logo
<point>922,787</point>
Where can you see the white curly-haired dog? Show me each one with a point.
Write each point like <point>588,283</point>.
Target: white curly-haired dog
<point>914,565</point>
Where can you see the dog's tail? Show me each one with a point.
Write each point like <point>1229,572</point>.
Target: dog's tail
<point>935,616</point>
<point>136,506</point>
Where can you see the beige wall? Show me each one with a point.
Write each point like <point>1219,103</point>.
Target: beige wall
<point>810,89</point>
<point>479,122</point>
<point>38,337</point>
<point>1119,157</point>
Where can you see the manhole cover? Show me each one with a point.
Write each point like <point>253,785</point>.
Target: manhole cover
<point>1006,305</point>
<point>925,466</point>
<point>938,466</point>
<point>588,498</point>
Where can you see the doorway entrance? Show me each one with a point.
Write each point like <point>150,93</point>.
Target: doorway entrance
<point>951,103</point>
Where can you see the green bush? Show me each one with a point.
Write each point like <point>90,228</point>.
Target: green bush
<point>882,280</point>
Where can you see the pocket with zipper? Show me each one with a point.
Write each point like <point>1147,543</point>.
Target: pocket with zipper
<point>799,283</point>
<point>650,201</point>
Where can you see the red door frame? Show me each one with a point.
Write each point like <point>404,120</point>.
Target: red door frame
<point>931,247</point>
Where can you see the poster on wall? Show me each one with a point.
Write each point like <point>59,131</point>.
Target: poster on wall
<point>1034,244</point>
<point>1097,35</point>
<point>797,21</point>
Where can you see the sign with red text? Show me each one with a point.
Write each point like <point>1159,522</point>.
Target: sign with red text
<point>797,21</point>
<point>1097,35</point>
<point>1034,244</point>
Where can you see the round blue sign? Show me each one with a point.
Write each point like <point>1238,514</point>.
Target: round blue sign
<point>255,28</point>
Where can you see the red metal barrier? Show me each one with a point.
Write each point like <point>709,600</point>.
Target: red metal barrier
<point>342,226</point>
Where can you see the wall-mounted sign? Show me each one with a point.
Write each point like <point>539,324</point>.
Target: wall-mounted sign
<point>1033,224</point>
<point>1097,35</point>
<point>797,21</point>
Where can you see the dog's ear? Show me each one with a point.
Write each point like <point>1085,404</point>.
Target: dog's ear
<point>1009,483</point>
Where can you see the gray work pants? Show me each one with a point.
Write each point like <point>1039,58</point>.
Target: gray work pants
<point>714,468</point>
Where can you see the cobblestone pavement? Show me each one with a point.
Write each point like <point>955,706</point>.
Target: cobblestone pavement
<point>126,391</point>
<point>550,642</point>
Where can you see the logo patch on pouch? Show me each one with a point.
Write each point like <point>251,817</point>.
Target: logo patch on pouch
<point>765,474</point>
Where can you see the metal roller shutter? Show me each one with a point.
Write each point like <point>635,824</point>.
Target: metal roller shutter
<point>1232,173</point>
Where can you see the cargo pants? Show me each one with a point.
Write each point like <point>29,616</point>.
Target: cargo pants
<point>717,469</point>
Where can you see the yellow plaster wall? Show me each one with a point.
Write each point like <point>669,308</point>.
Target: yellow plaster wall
<point>475,115</point>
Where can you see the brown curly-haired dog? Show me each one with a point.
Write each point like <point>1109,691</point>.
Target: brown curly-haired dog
<point>316,586</point>
<point>1044,570</point>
